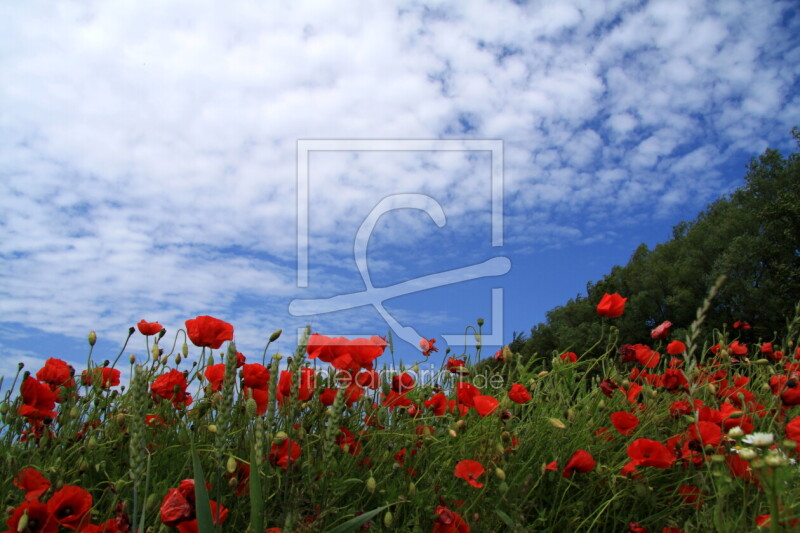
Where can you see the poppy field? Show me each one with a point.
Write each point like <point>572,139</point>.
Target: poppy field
<point>690,432</point>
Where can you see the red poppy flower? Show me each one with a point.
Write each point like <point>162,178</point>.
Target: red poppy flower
<point>149,328</point>
<point>581,462</point>
<point>284,453</point>
<point>470,471</point>
<point>485,405</point>
<point>32,482</point>
<point>646,452</point>
<point>255,376</point>
<point>793,429</point>
<point>215,374</point>
<point>572,357</point>
<point>673,380</point>
<point>207,331</point>
<point>661,331</point>
<point>39,518</point>
<point>109,526</point>
<point>38,401</point>
<point>646,356</point>
<point>552,466</point>
<point>691,495</point>
<point>466,392</point>
<point>56,373</point>
<point>634,527</point>
<point>304,391</point>
<point>369,379</point>
<point>611,305</point>
<point>107,377</point>
<point>218,516</point>
<point>438,403</point>
<point>346,440</point>
<point>676,348</point>
<point>741,324</point>
<point>456,366</point>
<point>607,387</point>
<point>737,348</point>
<point>708,433</point>
<point>327,396</point>
<point>69,506</point>
<point>427,346</point>
<point>395,399</point>
<point>624,422</point>
<point>177,507</point>
<point>739,468</point>
<point>402,383</point>
<point>172,386</point>
<point>364,351</point>
<point>519,394</point>
<point>448,521</point>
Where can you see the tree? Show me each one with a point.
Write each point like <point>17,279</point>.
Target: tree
<point>752,236</point>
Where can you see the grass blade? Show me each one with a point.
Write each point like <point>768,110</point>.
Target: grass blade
<point>204,522</point>
<point>355,523</point>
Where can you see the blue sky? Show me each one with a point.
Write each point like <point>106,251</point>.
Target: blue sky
<point>148,155</point>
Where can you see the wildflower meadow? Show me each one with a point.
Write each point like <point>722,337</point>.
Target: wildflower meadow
<point>696,432</point>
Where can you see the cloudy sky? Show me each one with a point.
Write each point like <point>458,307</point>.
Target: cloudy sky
<point>149,157</point>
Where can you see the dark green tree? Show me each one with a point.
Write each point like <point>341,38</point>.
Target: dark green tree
<point>751,236</point>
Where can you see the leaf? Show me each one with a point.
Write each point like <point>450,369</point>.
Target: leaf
<point>506,519</point>
<point>204,522</point>
<point>360,520</point>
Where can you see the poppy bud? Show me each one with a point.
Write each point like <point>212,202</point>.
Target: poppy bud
<point>233,483</point>
<point>132,359</point>
<point>185,349</point>
<point>280,437</point>
<point>22,524</point>
<point>556,423</point>
<point>388,519</point>
<point>717,458</point>
<point>92,338</point>
<point>543,373</point>
<point>761,362</point>
<point>371,485</point>
<point>412,488</point>
<point>452,433</point>
<point>601,404</point>
<point>212,428</point>
<point>503,488</point>
<point>91,444</point>
<point>275,335</point>
<point>177,359</point>
<point>501,475</point>
<point>570,414</point>
<point>151,502</point>
<point>480,322</point>
<point>230,466</point>
<point>461,423</point>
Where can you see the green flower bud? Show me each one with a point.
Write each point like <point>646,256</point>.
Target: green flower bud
<point>275,335</point>
<point>92,338</point>
<point>231,465</point>
<point>388,519</point>
<point>371,485</point>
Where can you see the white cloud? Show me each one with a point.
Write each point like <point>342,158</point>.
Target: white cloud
<point>149,149</point>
